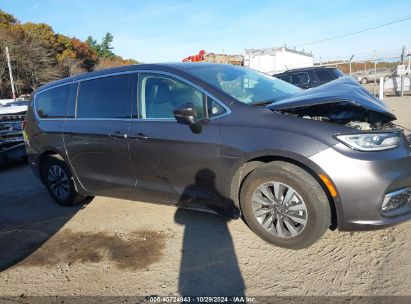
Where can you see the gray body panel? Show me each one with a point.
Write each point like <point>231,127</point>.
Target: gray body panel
<point>98,156</point>
<point>362,180</point>
<point>164,161</point>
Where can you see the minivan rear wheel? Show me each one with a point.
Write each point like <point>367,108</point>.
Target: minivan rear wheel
<point>285,205</point>
<point>59,183</point>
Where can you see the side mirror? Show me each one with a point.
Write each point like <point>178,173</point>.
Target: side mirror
<point>186,114</point>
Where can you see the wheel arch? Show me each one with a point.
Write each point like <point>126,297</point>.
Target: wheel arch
<point>314,170</point>
<point>51,152</point>
<point>46,153</point>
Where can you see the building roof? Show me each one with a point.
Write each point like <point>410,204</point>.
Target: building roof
<point>274,51</point>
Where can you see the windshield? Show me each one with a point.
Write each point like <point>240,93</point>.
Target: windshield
<point>245,85</point>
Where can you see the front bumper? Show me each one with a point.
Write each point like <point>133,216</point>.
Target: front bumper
<point>11,136</point>
<point>363,181</point>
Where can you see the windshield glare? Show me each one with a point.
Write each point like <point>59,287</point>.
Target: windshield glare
<point>245,85</point>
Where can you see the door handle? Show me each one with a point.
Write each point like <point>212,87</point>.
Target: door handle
<point>139,136</point>
<point>117,134</point>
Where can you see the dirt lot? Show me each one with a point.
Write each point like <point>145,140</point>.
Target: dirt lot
<point>118,247</point>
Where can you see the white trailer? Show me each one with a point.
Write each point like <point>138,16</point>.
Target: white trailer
<point>276,60</point>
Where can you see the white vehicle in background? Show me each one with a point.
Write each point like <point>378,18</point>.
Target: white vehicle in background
<point>394,84</point>
<point>12,115</point>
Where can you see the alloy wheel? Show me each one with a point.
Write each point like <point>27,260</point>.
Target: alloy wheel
<point>279,209</point>
<point>58,182</point>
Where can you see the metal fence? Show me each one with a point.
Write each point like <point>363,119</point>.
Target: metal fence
<point>386,73</point>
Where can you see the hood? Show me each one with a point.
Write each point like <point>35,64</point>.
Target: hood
<point>13,110</point>
<point>344,89</point>
<point>10,106</point>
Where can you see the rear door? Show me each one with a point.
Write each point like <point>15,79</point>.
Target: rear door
<point>171,163</point>
<point>96,139</point>
<point>50,109</point>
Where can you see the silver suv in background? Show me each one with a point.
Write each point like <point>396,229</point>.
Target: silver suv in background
<point>371,75</point>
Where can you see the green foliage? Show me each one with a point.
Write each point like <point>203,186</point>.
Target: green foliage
<point>104,49</point>
<point>92,43</point>
<point>105,46</point>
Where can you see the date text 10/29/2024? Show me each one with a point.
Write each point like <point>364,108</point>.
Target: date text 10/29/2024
<point>200,299</point>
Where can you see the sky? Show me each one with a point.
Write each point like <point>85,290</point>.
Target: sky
<point>164,31</point>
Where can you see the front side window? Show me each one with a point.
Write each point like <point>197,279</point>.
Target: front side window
<point>160,95</point>
<point>245,85</point>
<point>107,97</point>
<point>52,103</point>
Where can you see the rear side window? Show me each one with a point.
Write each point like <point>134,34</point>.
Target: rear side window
<point>299,78</point>
<point>52,103</point>
<point>108,97</point>
<point>323,75</point>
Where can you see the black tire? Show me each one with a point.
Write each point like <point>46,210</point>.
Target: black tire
<point>71,197</point>
<point>364,80</point>
<point>316,202</point>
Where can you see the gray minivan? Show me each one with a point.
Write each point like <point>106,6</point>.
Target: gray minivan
<point>228,140</point>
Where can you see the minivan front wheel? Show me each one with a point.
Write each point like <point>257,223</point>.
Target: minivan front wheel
<point>285,205</point>
<point>59,183</point>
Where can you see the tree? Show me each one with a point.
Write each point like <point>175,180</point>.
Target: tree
<point>73,66</point>
<point>105,46</point>
<point>92,43</point>
<point>7,19</point>
<point>36,63</point>
<point>39,55</point>
<point>33,62</point>
<point>85,53</point>
<point>41,31</point>
<point>105,63</point>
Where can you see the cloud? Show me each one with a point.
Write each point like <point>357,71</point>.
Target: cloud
<point>35,6</point>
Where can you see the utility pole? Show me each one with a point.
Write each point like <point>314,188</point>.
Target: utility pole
<point>402,74</point>
<point>350,62</point>
<point>375,71</point>
<point>11,73</point>
<point>409,63</point>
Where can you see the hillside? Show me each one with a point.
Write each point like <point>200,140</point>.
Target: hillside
<point>39,55</point>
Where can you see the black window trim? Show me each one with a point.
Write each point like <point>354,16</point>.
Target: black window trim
<point>48,89</point>
<point>137,72</point>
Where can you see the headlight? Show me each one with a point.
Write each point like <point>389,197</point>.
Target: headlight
<point>371,141</point>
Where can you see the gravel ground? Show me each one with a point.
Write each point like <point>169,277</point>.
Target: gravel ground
<point>401,106</point>
<point>119,247</point>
